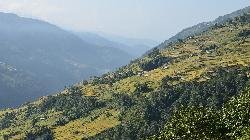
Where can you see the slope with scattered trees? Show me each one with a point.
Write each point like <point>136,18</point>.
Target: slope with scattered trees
<point>197,88</point>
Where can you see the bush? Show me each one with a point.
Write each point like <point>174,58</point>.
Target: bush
<point>157,62</point>
<point>39,133</point>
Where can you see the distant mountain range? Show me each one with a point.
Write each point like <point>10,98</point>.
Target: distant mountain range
<point>46,58</point>
<point>134,47</point>
<point>17,86</point>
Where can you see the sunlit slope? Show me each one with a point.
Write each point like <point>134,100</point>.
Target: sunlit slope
<point>122,104</point>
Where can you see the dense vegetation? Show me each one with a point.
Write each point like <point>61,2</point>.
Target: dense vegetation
<point>197,88</point>
<point>148,114</point>
<point>199,122</point>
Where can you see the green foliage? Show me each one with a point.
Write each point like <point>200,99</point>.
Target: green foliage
<point>209,48</point>
<point>194,123</point>
<point>122,100</point>
<point>236,114</point>
<point>111,78</point>
<point>142,88</point>
<point>61,122</point>
<point>155,52</point>
<point>147,115</point>
<point>73,105</point>
<point>245,18</point>
<point>6,121</point>
<point>157,62</point>
<point>231,122</point>
<point>244,33</point>
<point>39,133</point>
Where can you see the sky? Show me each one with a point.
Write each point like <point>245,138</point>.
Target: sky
<point>151,19</point>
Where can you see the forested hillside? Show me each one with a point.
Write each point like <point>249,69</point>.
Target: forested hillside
<point>196,88</point>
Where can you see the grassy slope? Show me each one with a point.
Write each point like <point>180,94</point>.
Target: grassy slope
<point>188,62</point>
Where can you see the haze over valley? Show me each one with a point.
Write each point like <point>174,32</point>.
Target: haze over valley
<point>119,70</point>
<point>38,58</point>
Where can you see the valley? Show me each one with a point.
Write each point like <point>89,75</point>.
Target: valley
<point>194,88</point>
<point>39,58</point>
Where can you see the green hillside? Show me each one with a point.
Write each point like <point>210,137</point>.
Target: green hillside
<point>197,88</point>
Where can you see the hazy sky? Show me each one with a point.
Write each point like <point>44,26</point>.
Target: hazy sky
<point>155,19</point>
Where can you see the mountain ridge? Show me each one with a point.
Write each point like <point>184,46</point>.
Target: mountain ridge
<point>53,57</point>
<point>200,74</point>
<point>201,27</point>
